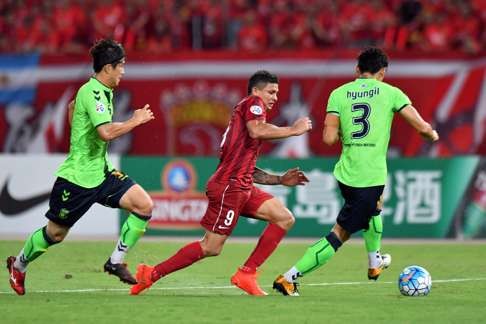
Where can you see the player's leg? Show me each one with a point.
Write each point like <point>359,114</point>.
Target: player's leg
<point>352,217</point>
<point>219,220</point>
<point>35,245</point>
<point>359,204</point>
<point>315,257</point>
<point>119,191</point>
<point>67,204</point>
<point>372,238</point>
<point>137,201</point>
<point>279,219</point>
<point>263,206</point>
<point>211,245</point>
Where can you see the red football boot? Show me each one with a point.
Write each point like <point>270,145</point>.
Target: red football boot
<point>17,278</point>
<point>246,280</point>
<point>144,279</point>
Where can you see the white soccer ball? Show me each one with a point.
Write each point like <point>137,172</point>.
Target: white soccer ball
<point>414,281</point>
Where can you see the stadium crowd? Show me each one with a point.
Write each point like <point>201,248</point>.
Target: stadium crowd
<point>71,26</point>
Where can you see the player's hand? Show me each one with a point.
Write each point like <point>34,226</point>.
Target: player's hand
<point>143,115</point>
<point>431,136</point>
<point>293,177</point>
<point>435,136</point>
<point>302,125</point>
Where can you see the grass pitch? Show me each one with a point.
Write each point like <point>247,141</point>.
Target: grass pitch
<point>67,285</point>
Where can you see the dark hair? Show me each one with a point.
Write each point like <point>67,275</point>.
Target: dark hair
<point>372,60</point>
<point>260,79</point>
<point>106,51</point>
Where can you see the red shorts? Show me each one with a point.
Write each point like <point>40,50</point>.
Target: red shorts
<point>227,202</point>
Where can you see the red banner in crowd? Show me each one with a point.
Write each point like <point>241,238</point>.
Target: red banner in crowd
<point>192,101</point>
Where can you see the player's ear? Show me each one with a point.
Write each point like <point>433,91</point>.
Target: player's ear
<point>107,68</point>
<point>358,72</point>
<point>381,73</point>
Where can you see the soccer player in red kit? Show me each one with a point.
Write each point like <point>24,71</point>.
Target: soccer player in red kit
<point>231,192</point>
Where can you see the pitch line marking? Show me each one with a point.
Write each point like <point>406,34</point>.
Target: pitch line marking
<point>350,283</point>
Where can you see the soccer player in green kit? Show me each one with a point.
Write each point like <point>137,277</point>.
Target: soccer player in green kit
<point>360,114</point>
<point>87,176</point>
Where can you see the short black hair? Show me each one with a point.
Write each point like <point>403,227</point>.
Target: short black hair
<point>260,79</point>
<point>372,60</point>
<point>106,51</point>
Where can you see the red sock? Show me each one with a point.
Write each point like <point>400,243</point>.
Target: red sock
<point>271,237</point>
<point>186,256</point>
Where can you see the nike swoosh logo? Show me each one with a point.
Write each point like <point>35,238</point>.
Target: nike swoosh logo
<point>10,206</point>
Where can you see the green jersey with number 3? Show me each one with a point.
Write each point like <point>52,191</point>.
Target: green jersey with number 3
<point>365,108</point>
<point>87,160</point>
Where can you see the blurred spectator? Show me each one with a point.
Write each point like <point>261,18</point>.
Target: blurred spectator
<point>252,37</point>
<point>108,20</point>
<point>159,32</point>
<point>250,25</point>
<point>325,23</point>
<point>437,33</point>
<point>137,16</point>
<point>68,16</point>
<point>404,33</point>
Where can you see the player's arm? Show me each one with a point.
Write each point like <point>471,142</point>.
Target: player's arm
<point>411,115</point>
<point>70,112</point>
<point>290,178</point>
<point>259,129</point>
<point>110,131</point>
<point>330,133</point>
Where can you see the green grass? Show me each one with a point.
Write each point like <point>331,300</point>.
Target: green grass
<point>182,298</point>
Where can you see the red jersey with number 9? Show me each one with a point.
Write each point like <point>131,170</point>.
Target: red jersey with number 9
<point>238,151</point>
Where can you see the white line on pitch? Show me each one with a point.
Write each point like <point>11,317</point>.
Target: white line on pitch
<point>351,283</point>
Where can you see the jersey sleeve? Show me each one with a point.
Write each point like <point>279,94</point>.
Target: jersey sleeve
<point>97,111</point>
<point>333,104</point>
<point>255,110</point>
<point>401,100</point>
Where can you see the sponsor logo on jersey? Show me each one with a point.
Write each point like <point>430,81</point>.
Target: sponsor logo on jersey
<point>257,110</point>
<point>100,108</point>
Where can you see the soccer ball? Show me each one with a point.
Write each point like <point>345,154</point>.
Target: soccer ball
<point>414,281</point>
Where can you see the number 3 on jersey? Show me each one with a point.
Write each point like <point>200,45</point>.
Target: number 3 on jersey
<point>361,120</point>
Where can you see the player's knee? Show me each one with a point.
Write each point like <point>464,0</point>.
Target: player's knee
<point>211,248</point>
<point>213,252</point>
<point>290,221</point>
<point>286,220</point>
<point>341,233</point>
<point>56,234</point>
<point>145,207</point>
<point>210,251</point>
<point>58,237</point>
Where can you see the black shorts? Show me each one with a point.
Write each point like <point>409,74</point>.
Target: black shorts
<point>359,206</point>
<point>69,202</point>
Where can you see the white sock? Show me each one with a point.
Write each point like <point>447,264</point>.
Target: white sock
<point>292,275</point>
<point>374,259</point>
<point>119,253</point>
<point>20,262</point>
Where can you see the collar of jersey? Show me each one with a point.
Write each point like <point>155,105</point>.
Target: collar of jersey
<point>99,82</point>
<point>366,79</point>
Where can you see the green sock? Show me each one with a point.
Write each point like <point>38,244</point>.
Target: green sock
<point>372,236</point>
<point>36,245</point>
<point>132,230</point>
<point>315,256</point>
